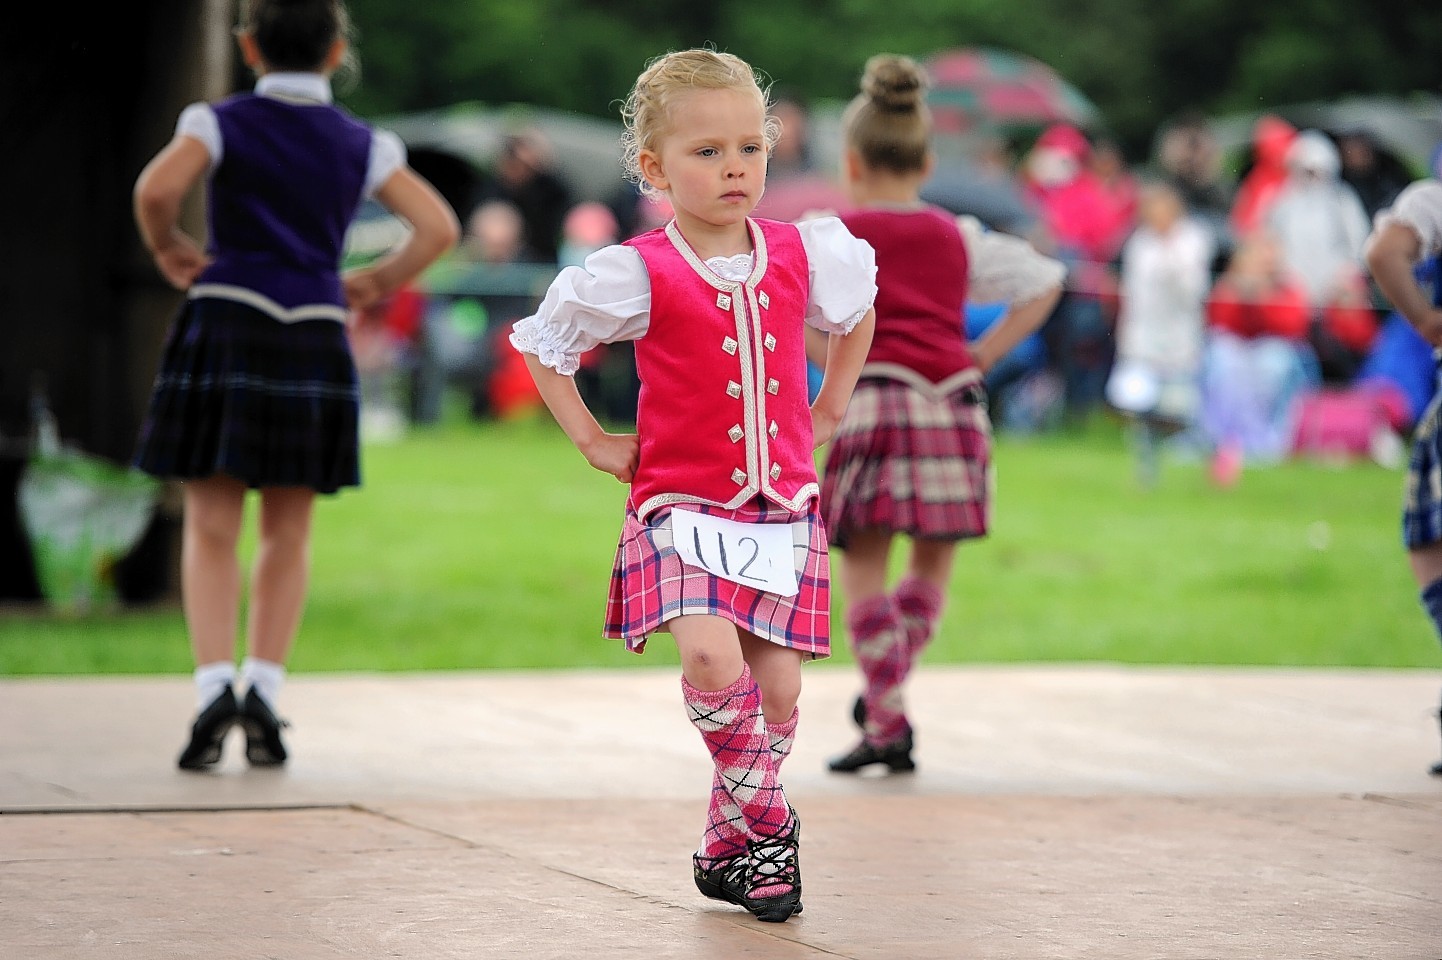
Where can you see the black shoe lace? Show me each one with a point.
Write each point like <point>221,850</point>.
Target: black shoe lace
<point>773,860</point>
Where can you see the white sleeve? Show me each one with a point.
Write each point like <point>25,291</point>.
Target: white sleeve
<point>606,299</point>
<point>388,154</point>
<point>1004,268</point>
<point>843,275</point>
<point>1419,207</point>
<point>198,122</point>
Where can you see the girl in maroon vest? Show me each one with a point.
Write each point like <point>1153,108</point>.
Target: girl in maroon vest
<point>722,545</point>
<point>257,387</point>
<point>912,455</point>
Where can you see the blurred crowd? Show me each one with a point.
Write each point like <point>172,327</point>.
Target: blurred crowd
<point>1229,309</point>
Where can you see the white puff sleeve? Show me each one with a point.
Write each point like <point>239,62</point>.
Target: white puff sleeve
<point>843,275</point>
<point>1419,206</point>
<point>1005,268</point>
<point>606,299</point>
<point>198,121</point>
<point>387,155</point>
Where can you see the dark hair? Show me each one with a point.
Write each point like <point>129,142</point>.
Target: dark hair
<point>888,123</point>
<point>295,34</point>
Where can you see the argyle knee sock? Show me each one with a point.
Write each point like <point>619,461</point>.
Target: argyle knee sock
<point>731,724</point>
<point>920,603</point>
<point>725,835</point>
<point>878,639</point>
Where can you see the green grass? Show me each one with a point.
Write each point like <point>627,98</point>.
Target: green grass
<point>489,546</point>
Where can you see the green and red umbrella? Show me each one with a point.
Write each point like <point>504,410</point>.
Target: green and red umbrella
<point>981,87</point>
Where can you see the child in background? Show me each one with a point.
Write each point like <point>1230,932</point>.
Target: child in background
<point>912,455</point>
<point>257,387</point>
<point>716,303</point>
<point>1165,268</point>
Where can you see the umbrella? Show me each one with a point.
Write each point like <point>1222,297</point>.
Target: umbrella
<point>983,87</point>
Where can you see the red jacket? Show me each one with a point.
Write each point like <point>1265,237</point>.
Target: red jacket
<point>723,413</point>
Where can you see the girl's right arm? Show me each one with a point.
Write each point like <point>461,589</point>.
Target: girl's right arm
<point>616,454</point>
<point>159,192</point>
<point>434,230</point>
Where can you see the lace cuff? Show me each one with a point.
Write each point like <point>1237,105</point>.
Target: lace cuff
<point>534,337</point>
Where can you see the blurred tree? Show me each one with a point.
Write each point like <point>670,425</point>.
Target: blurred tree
<point>1140,62</point>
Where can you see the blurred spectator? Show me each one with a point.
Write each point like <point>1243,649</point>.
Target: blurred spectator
<point>1165,275</point>
<point>525,177</point>
<point>473,298</point>
<point>1189,156</point>
<point>1377,177</point>
<point>986,187</point>
<point>607,377</point>
<point>588,227</point>
<point>1259,362</point>
<point>1084,233</point>
<point>495,233</point>
<point>1320,227</point>
<point>1118,185</point>
<point>1266,172</point>
<point>796,186</point>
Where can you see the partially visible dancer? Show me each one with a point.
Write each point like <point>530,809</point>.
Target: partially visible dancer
<point>257,387</point>
<point>721,463</point>
<point>912,456</point>
<point>1404,235</point>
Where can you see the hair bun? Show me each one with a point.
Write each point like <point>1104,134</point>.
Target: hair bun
<point>894,83</point>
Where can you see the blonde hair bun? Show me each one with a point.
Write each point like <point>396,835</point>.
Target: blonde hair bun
<point>894,83</point>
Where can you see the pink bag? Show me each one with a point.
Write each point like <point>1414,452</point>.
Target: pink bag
<point>1343,424</point>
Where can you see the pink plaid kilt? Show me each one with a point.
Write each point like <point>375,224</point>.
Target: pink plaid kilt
<point>910,459</point>
<point>650,584</point>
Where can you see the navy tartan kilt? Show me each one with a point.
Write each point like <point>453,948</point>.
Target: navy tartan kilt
<point>242,394</point>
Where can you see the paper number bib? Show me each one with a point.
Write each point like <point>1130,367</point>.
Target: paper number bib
<point>757,555</point>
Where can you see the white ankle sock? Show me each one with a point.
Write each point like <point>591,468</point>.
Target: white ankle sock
<point>211,679</point>
<point>265,677</point>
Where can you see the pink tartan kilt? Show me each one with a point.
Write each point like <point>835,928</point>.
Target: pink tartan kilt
<point>650,584</point>
<point>909,461</point>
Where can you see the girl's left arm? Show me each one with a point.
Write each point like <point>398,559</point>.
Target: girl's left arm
<point>160,190</point>
<point>1020,321</point>
<point>434,230</point>
<point>845,355</point>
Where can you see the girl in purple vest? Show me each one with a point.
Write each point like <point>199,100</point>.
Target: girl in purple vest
<point>256,387</point>
<point>912,456</point>
<point>722,545</point>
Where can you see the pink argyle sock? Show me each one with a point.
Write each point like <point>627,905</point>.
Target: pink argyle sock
<point>725,835</point>
<point>920,603</point>
<point>878,639</point>
<point>735,734</point>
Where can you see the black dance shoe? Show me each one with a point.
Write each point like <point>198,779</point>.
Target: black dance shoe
<point>208,732</point>
<point>775,860</point>
<point>262,731</point>
<point>725,880</point>
<point>896,756</point>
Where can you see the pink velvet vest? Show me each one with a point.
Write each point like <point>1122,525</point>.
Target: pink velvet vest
<point>723,413</point>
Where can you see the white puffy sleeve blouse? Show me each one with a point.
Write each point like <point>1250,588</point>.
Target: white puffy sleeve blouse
<point>608,298</point>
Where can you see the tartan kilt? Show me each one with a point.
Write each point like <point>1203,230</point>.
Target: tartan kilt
<point>1422,501</point>
<point>651,584</point>
<point>242,394</point>
<point>909,461</point>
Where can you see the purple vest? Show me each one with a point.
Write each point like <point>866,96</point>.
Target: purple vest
<point>289,182</point>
